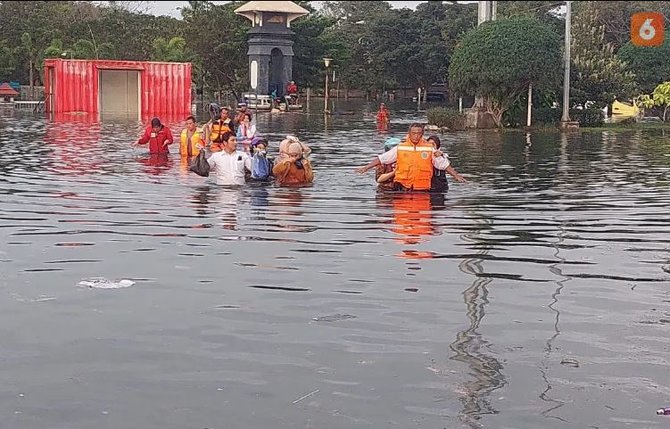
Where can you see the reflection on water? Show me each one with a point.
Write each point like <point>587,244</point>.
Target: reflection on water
<point>333,305</point>
<point>469,346</point>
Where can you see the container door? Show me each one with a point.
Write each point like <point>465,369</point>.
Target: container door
<point>119,93</point>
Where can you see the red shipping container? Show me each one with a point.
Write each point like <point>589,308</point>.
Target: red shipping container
<point>117,87</point>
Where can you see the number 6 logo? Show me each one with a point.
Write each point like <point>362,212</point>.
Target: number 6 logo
<point>647,29</point>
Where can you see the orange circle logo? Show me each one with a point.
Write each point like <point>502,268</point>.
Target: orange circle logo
<point>647,29</point>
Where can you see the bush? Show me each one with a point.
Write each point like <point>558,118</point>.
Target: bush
<point>446,117</point>
<point>587,117</point>
<point>547,115</point>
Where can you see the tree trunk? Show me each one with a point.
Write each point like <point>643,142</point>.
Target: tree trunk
<point>32,82</point>
<point>665,113</point>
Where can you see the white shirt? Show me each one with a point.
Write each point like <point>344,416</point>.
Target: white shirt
<point>391,156</point>
<point>228,169</point>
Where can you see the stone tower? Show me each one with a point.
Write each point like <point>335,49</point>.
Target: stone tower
<point>270,45</point>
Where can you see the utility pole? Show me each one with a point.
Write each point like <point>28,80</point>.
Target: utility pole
<point>566,76</point>
<point>486,11</point>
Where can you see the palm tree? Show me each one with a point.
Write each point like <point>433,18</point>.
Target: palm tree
<point>31,51</point>
<point>172,50</point>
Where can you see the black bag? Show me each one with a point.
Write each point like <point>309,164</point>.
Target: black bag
<point>199,164</point>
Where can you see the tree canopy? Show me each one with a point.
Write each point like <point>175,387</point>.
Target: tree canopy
<point>499,59</point>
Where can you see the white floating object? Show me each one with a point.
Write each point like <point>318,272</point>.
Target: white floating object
<point>103,283</point>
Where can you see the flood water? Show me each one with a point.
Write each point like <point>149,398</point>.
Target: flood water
<point>534,296</point>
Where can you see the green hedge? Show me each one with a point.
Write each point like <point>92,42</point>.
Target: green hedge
<point>547,115</point>
<point>446,117</point>
<point>588,117</point>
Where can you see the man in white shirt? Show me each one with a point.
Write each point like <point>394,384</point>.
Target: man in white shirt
<point>228,165</point>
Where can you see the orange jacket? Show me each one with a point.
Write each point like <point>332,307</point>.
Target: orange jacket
<point>415,165</point>
<point>190,148</point>
<point>287,173</point>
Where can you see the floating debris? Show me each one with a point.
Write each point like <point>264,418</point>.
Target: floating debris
<point>570,362</point>
<point>333,318</point>
<point>103,283</point>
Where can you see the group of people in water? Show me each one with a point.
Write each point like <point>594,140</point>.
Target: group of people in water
<point>236,154</point>
<point>412,163</point>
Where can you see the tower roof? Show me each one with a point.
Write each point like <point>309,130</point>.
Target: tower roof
<point>292,10</point>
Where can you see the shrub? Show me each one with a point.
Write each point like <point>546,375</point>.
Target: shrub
<point>446,117</point>
<point>547,115</point>
<point>587,117</point>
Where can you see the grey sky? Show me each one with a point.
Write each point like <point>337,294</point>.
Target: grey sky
<point>171,8</point>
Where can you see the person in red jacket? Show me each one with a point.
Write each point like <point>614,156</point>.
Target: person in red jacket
<point>158,136</point>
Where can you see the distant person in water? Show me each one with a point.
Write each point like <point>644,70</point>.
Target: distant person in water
<point>158,136</point>
<point>383,115</point>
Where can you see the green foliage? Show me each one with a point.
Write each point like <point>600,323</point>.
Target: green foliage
<point>499,59</point>
<point>446,117</point>
<point>661,97</point>
<point>309,49</point>
<point>217,38</point>
<point>651,65</point>
<point>614,17</point>
<point>7,61</point>
<point>598,75</point>
<point>547,115</point>
<point>169,50</point>
<point>587,117</point>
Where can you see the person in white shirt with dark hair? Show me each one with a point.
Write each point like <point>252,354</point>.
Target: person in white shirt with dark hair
<point>228,165</point>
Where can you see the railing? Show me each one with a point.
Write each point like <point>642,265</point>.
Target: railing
<point>26,105</point>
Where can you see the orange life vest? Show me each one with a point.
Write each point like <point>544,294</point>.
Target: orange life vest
<point>415,165</point>
<point>219,129</point>
<point>190,148</point>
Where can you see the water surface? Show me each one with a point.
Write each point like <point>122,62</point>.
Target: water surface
<point>536,295</point>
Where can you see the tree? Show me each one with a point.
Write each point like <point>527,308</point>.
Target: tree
<point>651,65</point>
<point>309,48</point>
<point>55,49</point>
<point>7,61</point>
<point>660,98</point>
<point>499,59</point>
<point>218,39</point>
<point>172,50</point>
<point>31,52</point>
<point>614,17</point>
<point>598,75</point>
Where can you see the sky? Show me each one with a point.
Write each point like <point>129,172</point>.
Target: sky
<point>171,8</point>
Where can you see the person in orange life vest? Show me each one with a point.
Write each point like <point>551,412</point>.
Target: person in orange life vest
<point>383,115</point>
<point>415,159</point>
<point>217,128</point>
<point>191,139</point>
<point>158,136</point>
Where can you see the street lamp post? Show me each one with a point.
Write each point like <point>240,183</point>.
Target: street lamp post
<point>326,62</point>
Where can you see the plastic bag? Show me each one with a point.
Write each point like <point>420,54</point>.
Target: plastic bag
<point>260,166</point>
<point>199,164</point>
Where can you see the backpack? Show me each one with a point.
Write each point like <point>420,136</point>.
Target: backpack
<point>260,167</point>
